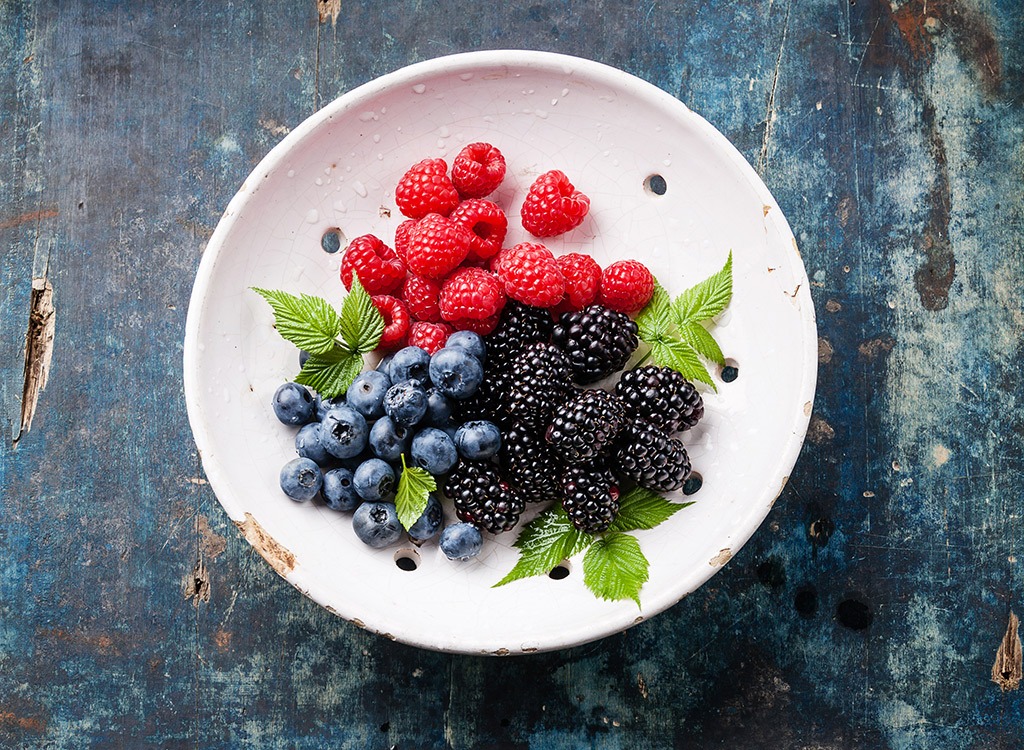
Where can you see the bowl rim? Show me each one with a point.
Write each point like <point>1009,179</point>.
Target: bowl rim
<point>744,525</point>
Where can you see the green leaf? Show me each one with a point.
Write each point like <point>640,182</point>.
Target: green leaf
<point>615,568</point>
<point>361,322</point>
<point>331,374</point>
<point>413,492</point>
<point>643,509</point>
<point>655,320</point>
<point>308,322</point>
<point>543,543</point>
<point>697,336</point>
<point>680,356</point>
<point>706,299</point>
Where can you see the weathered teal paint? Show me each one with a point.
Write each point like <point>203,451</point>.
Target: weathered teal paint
<point>891,136</point>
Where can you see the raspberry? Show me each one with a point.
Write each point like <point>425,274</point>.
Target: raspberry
<point>477,170</point>
<point>420,295</point>
<point>471,293</point>
<point>482,327</point>
<point>494,262</point>
<point>486,222</point>
<point>598,341</point>
<point>426,189</point>
<point>380,270</point>
<point>396,321</point>
<point>531,275</point>
<point>553,206</point>
<point>582,280</point>
<point>402,237</point>
<point>429,336</point>
<point>626,286</point>
<point>436,246</point>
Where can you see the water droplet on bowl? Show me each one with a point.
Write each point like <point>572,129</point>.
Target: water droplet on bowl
<point>339,206</point>
<point>313,216</point>
<point>465,76</point>
<point>360,189</point>
<point>376,137</point>
<point>565,92</point>
<point>367,116</point>
<point>419,88</point>
<point>318,181</point>
<point>291,172</point>
<point>443,131</point>
<point>541,113</point>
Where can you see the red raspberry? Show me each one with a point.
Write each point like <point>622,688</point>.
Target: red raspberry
<point>402,237</point>
<point>396,321</point>
<point>582,277</point>
<point>626,286</point>
<point>426,189</point>
<point>494,263</point>
<point>436,246</point>
<point>471,293</point>
<point>429,336</point>
<point>531,275</point>
<point>481,327</point>
<point>477,170</point>
<point>420,296</point>
<point>380,269</point>
<point>486,222</point>
<point>553,205</point>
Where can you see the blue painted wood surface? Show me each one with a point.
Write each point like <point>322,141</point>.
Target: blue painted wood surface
<point>865,613</point>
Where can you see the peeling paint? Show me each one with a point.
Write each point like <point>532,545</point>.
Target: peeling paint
<point>721,558</point>
<point>819,431</point>
<point>280,559</point>
<point>38,350</point>
<point>1007,669</point>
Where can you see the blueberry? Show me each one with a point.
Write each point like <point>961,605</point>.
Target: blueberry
<point>343,432</point>
<point>366,394</point>
<point>428,524</point>
<point>439,408</point>
<point>389,440</point>
<point>308,445</point>
<point>303,356</point>
<point>455,372</point>
<point>461,541</point>
<point>434,451</point>
<point>374,480</point>
<point>479,439</point>
<point>410,363</point>
<point>339,492</point>
<point>301,479</point>
<point>469,342</point>
<point>406,403</point>
<point>293,404</point>
<point>377,524</point>
<point>385,363</point>
<point>324,405</point>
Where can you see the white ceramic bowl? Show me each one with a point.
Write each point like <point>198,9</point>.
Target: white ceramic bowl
<point>609,132</point>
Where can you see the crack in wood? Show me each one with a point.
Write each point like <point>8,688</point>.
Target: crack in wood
<point>1007,670</point>
<point>762,161</point>
<point>197,583</point>
<point>38,351</point>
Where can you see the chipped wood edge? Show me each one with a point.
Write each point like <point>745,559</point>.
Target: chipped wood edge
<point>42,323</point>
<point>1007,670</point>
<point>721,558</point>
<point>281,559</point>
<point>329,10</point>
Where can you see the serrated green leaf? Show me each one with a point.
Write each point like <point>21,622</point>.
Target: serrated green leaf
<point>615,568</point>
<point>707,298</point>
<point>643,509</point>
<point>543,543</point>
<point>698,337</point>
<point>361,322</point>
<point>308,322</point>
<point>655,320</point>
<point>414,488</point>
<point>331,374</point>
<point>680,356</point>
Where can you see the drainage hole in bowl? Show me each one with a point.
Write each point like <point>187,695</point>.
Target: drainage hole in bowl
<point>332,240</point>
<point>655,184</point>
<point>560,571</point>
<point>730,371</point>
<point>693,483</point>
<point>407,559</point>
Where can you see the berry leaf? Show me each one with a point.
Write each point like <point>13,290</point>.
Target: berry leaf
<point>655,320</point>
<point>707,298</point>
<point>308,322</point>
<point>697,336</point>
<point>331,374</point>
<point>543,543</point>
<point>615,568</point>
<point>680,356</point>
<point>413,493</point>
<point>362,325</point>
<point>643,509</point>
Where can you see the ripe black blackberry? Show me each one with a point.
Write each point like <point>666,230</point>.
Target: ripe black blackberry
<point>529,465</point>
<point>584,429</point>
<point>591,497</point>
<point>482,498</point>
<point>538,380</point>
<point>661,395</point>
<point>519,324</point>
<point>597,341</point>
<point>489,401</point>
<point>648,456</point>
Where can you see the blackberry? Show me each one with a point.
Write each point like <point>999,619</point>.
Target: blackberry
<point>489,401</point>
<point>519,324</point>
<point>661,395</point>
<point>538,380</point>
<point>598,341</point>
<point>529,464</point>
<point>591,497</point>
<point>584,429</point>
<point>647,455</point>
<point>482,498</point>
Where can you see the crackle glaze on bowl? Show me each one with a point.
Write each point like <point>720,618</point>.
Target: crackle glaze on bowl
<point>609,132</point>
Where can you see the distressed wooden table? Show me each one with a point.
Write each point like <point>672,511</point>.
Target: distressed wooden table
<point>871,610</point>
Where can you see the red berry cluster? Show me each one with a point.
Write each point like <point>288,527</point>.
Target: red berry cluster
<point>449,269</point>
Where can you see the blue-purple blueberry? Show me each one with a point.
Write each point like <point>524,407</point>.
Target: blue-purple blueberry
<point>428,524</point>
<point>293,404</point>
<point>478,439</point>
<point>344,432</point>
<point>461,541</point>
<point>434,451</point>
<point>366,394</point>
<point>301,479</point>
<point>470,342</point>
<point>308,445</point>
<point>374,480</point>
<point>455,372</point>
<point>406,403</point>
<point>410,363</point>
<point>376,524</point>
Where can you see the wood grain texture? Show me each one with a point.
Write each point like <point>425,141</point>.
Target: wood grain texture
<point>865,613</point>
